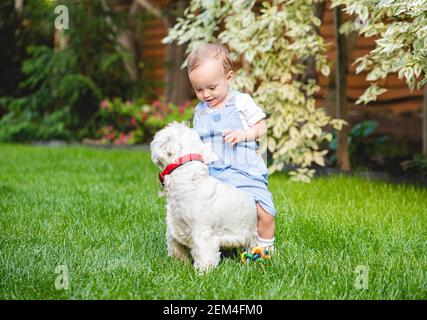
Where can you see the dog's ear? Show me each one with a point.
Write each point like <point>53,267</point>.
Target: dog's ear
<point>208,154</point>
<point>164,148</point>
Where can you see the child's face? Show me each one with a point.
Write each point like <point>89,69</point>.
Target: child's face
<point>210,83</point>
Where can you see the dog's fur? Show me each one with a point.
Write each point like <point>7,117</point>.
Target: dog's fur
<point>203,214</point>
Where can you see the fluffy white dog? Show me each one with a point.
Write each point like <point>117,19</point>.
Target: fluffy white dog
<point>203,214</point>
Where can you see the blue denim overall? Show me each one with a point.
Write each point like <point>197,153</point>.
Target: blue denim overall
<point>239,165</point>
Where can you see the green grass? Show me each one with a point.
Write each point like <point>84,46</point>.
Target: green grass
<point>98,213</point>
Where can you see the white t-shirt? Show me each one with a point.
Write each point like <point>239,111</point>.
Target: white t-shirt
<point>249,112</point>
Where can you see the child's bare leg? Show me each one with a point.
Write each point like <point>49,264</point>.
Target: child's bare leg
<point>266,223</point>
<point>266,228</point>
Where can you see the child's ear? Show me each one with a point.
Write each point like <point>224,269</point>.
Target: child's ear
<point>229,76</point>
<point>207,153</point>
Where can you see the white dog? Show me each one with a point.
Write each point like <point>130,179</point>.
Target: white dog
<point>202,213</point>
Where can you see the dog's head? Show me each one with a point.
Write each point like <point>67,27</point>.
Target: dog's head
<point>176,140</point>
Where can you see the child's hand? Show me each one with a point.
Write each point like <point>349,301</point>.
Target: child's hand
<point>234,136</point>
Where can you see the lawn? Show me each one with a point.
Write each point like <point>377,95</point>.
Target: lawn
<point>98,213</point>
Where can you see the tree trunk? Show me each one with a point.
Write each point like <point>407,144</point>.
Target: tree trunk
<point>126,38</point>
<point>425,122</point>
<point>310,62</point>
<point>128,41</point>
<point>59,40</point>
<point>341,92</point>
<point>177,86</point>
<point>330,100</point>
<point>19,5</point>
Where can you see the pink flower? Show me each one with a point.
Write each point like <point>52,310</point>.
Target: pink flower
<point>133,122</point>
<point>157,103</point>
<point>105,104</point>
<point>186,104</point>
<point>110,136</point>
<point>122,139</point>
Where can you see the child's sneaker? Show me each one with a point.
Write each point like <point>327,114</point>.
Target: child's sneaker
<point>256,254</point>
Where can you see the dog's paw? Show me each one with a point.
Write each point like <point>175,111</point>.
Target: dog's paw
<point>203,269</point>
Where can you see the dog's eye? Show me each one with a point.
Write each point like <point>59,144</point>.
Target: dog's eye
<point>169,154</point>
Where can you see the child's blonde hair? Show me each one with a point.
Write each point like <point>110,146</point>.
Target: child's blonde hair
<point>208,51</point>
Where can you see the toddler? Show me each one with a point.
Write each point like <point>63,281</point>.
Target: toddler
<point>231,122</point>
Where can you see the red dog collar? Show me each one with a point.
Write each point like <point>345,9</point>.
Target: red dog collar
<point>179,162</point>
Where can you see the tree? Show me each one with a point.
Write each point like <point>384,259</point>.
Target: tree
<point>19,5</point>
<point>177,86</point>
<point>59,90</point>
<point>400,27</point>
<point>126,42</point>
<point>425,122</point>
<point>129,43</point>
<point>341,107</point>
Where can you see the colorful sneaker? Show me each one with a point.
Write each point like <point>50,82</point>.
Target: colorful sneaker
<point>256,254</point>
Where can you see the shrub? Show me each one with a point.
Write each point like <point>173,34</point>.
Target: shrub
<point>131,122</point>
<point>399,27</point>
<point>269,40</point>
<point>55,90</point>
<point>52,93</point>
<point>416,166</point>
